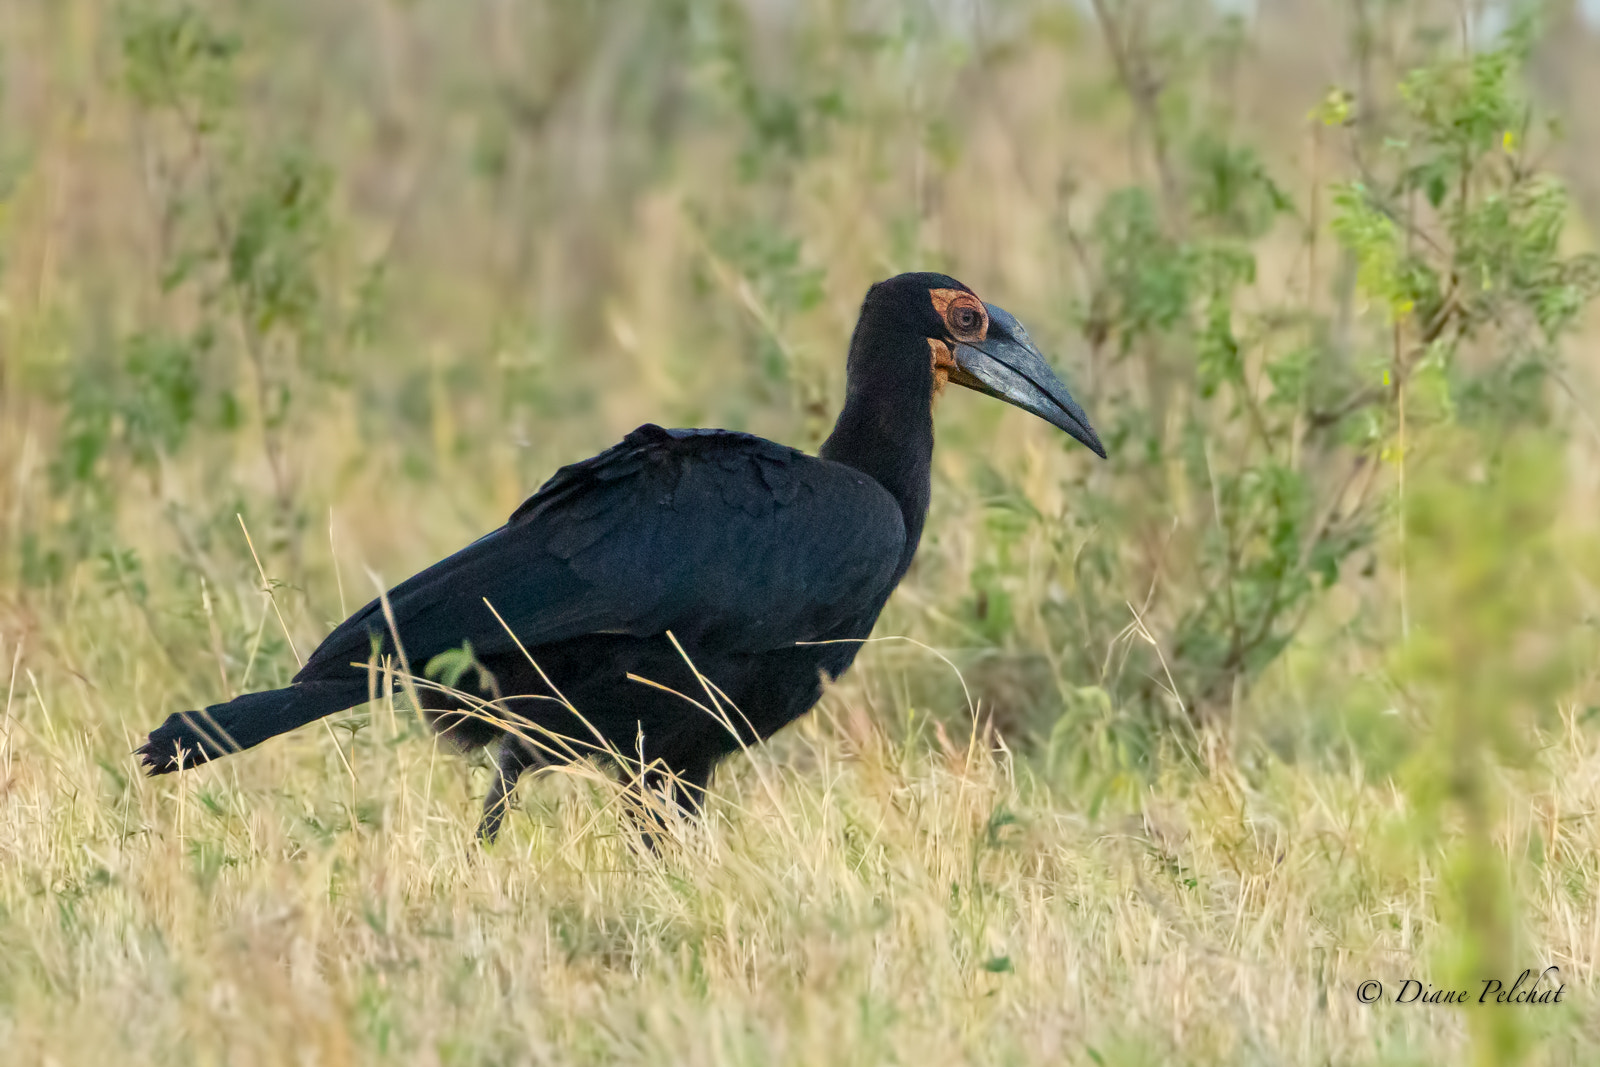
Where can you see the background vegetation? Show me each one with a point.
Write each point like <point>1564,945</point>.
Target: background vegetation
<point>1297,690</point>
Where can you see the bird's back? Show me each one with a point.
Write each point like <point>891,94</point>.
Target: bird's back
<point>708,547</point>
<point>732,542</point>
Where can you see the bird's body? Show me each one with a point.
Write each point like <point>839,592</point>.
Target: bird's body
<point>676,596</point>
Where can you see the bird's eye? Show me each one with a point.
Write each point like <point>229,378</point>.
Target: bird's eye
<point>965,318</point>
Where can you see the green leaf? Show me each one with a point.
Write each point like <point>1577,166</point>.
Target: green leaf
<point>448,667</point>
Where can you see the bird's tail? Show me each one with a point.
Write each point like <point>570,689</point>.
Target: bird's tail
<point>191,737</point>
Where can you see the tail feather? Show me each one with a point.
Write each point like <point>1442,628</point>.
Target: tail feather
<point>188,738</point>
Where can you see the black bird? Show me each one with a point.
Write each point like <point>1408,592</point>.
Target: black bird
<point>760,565</point>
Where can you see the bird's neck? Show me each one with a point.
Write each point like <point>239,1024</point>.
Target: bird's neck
<point>886,432</point>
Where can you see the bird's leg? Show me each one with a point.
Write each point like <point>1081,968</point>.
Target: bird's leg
<point>515,757</point>
<point>689,787</point>
<point>686,787</point>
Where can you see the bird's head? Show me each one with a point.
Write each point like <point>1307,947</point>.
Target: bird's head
<point>981,347</point>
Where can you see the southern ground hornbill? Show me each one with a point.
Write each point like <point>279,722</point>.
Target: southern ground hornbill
<point>758,564</point>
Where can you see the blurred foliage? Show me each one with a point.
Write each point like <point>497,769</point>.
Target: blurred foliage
<point>1253,431</point>
<point>1506,584</point>
<point>296,295</point>
<point>1260,347</point>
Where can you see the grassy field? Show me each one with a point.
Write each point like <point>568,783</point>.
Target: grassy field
<point>1155,761</point>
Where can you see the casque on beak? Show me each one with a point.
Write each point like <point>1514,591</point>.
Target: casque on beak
<point>1005,365</point>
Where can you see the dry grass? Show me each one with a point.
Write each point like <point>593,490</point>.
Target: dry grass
<point>848,899</point>
<point>876,886</point>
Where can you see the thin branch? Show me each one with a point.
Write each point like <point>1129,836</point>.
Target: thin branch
<point>1144,88</point>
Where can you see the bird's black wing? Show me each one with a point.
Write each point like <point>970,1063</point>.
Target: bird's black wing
<point>729,540</point>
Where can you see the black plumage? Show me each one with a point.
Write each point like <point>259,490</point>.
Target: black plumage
<point>760,565</point>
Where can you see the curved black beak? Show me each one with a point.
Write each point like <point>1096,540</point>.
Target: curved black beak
<point>1005,365</point>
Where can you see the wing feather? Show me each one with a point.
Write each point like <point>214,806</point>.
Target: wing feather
<point>728,540</point>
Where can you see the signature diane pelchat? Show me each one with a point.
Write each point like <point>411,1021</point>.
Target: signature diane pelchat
<point>1543,987</point>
